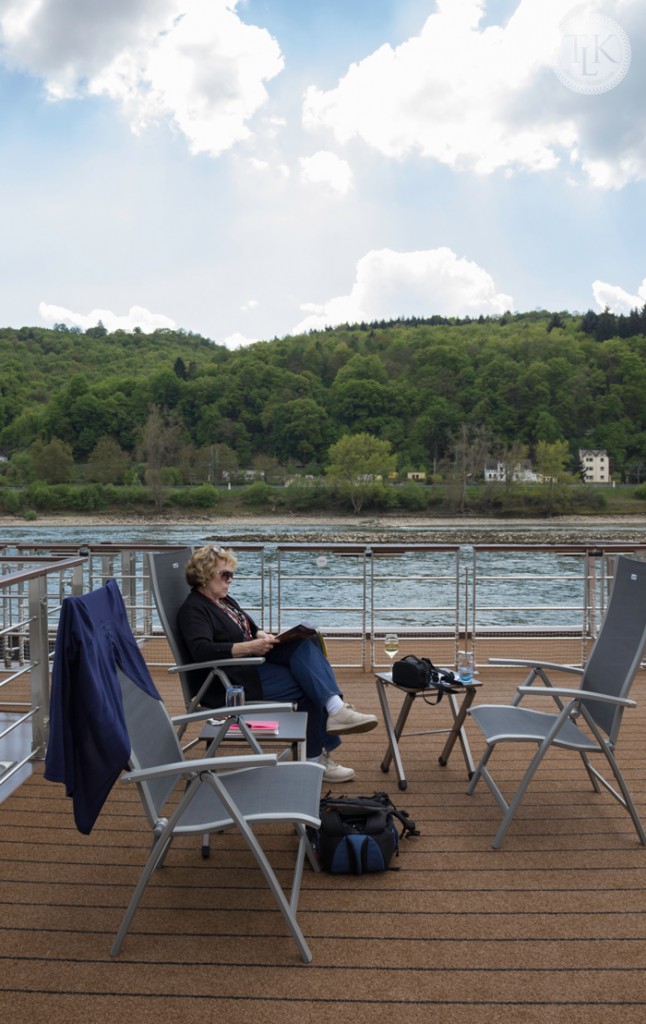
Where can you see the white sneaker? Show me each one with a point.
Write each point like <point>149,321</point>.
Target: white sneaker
<point>348,719</point>
<point>334,772</point>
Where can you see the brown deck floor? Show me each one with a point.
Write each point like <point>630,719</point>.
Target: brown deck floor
<point>549,928</point>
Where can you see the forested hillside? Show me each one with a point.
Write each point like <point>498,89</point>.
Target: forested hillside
<point>98,403</point>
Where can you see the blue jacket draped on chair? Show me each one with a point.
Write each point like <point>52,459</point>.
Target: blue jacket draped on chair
<point>88,740</point>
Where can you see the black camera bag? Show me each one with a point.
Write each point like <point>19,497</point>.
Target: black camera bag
<point>359,835</point>
<point>413,673</point>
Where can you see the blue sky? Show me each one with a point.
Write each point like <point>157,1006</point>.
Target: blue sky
<point>247,169</point>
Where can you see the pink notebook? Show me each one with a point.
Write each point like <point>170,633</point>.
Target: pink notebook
<point>268,728</point>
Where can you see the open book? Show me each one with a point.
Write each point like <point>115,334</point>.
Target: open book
<point>299,632</point>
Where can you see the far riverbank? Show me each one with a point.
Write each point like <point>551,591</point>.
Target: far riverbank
<point>348,529</point>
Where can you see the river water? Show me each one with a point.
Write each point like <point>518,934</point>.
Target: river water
<point>468,532</point>
<point>499,588</point>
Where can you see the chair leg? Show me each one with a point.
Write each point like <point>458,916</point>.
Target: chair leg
<point>625,799</point>
<point>592,773</point>
<point>155,858</point>
<point>475,778</point>
<point>284,905</point>
<point>301,831</point>
<point>508,808</point>
<point>305,849</point>
<point>164,833</point>
<point>516,800</point>
<point>161,851</point>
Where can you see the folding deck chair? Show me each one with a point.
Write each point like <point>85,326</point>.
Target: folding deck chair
<point>170,590</point>
<point>107,715</point>
<point>597,704</point>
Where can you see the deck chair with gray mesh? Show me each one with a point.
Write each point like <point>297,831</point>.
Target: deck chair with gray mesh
<point>170,590</point>
<point>587,719</point>
<point>195,796</point>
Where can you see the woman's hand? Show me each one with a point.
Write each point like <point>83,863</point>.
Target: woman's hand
<point>260,646</point>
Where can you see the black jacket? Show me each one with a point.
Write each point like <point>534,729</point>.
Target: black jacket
<point>209,633</point>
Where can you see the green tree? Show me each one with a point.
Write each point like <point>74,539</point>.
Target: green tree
<point>432,430</point>
<point>97,332</point>
<point>160,438</point>
<point>299,430</point>
<point>512,456</point>
<point>108,463</point>
<point>550,465</point>
<point>52,463</point>
<point>546,427</point>
<point>179,368</point>
<point>365,406</point>
<point>363,368</point>
<point>223,463</point>
<point>470,447</point>
<point>356,462</point>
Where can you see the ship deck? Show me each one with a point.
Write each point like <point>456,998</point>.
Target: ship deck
<point>549,928</point>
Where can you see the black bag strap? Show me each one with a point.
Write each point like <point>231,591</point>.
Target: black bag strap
<point>442,680</point>
<point>407,823</point>
<point>378,801</point>
<point>340,815</point>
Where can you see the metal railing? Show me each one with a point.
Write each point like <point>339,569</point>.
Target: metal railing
<point>31,594</point>
<point>509,600</point>
<point>553,595</point>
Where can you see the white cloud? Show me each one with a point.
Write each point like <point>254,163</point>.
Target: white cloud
<point>325,168</point>
<point>192,63</point>
<point>390,284</point>
<point>617,299</point>
<point>237,340</point>
<point>486,99</point>
<point>137,316</point>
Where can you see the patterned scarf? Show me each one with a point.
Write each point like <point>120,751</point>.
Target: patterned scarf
<point>237,616</point>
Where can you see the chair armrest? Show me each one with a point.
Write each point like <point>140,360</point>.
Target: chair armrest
<point>216,663</point>
<point>233,713</point>
<point>193,767</point>
<point>525,663</point>
<point>560,691</point>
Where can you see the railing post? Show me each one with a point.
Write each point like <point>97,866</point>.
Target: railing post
<point>78,573</point>
<point>39,657</point>
<point>368,560</point>
<point>147,599</point>
<point>129,587</point>
<point>458,610</point>
<point>270,597</point>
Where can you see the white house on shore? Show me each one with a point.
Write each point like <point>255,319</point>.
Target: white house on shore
<point>496,472</point>
<point>595,465</point>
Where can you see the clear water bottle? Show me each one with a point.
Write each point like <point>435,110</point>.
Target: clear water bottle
<point>465,666</point>
<point>235,696</point>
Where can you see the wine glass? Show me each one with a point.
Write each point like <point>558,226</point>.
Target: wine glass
<point>391,644</point>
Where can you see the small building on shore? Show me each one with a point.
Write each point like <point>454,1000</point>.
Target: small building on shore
<point>523,472</point>
<point>595,466</point>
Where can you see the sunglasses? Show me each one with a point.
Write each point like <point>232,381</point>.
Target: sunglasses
<point>225,574</point>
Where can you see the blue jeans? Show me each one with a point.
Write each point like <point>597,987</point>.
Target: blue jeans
<point>300,672</point>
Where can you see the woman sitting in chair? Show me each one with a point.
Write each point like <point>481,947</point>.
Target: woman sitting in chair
<point>214,626</point>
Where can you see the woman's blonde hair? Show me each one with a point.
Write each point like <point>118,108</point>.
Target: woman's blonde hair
<point>204,562</point>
